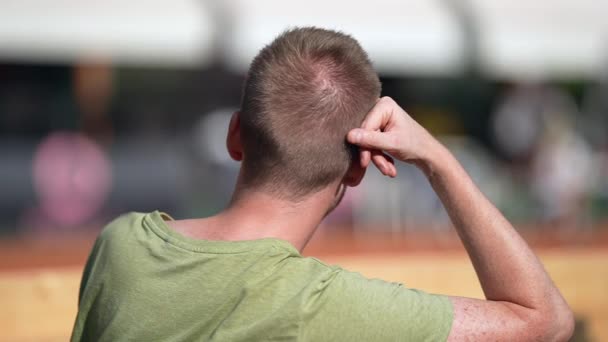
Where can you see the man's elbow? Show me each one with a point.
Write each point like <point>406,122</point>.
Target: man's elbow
<point>555,325</point>
<point>566,323</point>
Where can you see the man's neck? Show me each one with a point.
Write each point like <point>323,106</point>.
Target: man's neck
<point>260,215</point>
<point>254,215</point>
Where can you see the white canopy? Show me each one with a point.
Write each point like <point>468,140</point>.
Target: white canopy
<point>543,38</point>
<point>402,37</point>
<point>178,32</point>
<point>517,39</point>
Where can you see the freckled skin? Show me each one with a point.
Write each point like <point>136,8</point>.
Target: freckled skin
<point>522,303</point>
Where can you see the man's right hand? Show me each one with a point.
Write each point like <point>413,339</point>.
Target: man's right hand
<point>388,129</point>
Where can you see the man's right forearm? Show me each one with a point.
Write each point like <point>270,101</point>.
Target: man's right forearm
<point>506,267</point>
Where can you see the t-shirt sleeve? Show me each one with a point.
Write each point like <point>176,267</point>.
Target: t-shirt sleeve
<point>350,307</point>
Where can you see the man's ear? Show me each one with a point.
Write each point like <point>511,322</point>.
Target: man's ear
<point>233,138</point>
<point>354,175</point>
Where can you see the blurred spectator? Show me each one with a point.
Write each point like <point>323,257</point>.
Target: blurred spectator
<point>535,123</point>
<point>72,178</point>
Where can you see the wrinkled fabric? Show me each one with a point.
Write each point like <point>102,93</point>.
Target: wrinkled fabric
<point>144,281</point>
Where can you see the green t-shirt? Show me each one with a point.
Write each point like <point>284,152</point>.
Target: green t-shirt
<point>146,282</point>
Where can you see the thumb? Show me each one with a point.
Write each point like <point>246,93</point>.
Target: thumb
<point>368,139</point>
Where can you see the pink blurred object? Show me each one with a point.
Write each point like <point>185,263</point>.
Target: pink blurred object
<point>72,177</point>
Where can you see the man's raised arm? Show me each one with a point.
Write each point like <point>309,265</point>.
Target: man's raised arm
<point>522,302</point>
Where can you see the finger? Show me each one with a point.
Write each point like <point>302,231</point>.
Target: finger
<point>381,163</point>
<point>384,163</point>
<point>373,140</point>
<point>380,115</point>
<point>391,165</point>
<point>365,157</point>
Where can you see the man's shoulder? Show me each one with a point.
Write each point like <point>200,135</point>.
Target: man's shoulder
<point>370,309</point>
<point>312,265</point>
<point>126,220</point>
<point>331,278</point>
<point>121,227</point>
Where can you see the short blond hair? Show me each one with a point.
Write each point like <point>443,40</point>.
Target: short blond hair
<point>303,93</point>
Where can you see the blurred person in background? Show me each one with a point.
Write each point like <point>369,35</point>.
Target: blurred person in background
<point>562,191</point>
<point>239,275</point>
<point>71,171</point>
<point>535,125</point>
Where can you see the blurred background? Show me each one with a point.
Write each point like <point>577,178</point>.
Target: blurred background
<point>109,107</point>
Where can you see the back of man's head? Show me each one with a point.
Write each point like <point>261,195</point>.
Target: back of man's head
<point>303,93</point>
